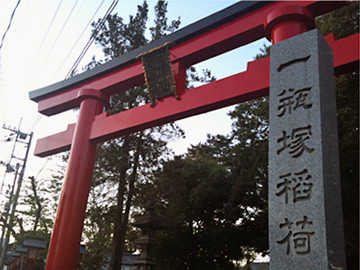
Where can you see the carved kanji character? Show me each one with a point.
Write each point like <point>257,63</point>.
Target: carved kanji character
<point>301,193</point>
<point>284,139</point>
<point>297,97</point>
<point>285,103</point>
<point>286,240</point>
<point>286,185</point>
<point>298,138</point>
<point>301,98</point>
<point>301,190</point>
<point>301,238</point>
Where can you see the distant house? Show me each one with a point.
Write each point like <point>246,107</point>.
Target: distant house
<point>127,262</point>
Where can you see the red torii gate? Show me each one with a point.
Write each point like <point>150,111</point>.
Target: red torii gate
<point>223,31</point>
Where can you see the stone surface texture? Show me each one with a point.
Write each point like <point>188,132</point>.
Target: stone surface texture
<point>305,216</point>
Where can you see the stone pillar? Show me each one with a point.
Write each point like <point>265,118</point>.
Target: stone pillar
<point>305,214</point>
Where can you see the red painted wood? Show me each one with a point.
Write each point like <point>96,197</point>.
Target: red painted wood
<point>346,53</point>
<point>54,144</point>
<point>111,83</point>
<point>65,242</point>
<point>237,88</point>
<point>288,21</point>
<point>66,236</point>
<point>180,77</point>
<point>239,32</point>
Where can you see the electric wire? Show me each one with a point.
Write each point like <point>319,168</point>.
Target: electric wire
<point>92,38</point>
<point>42,43</point>
<point>11,19</point>
<point>37,120</point>
<point>47,32</point>
<point>42,168</point>
<point>77,40</point>
<point>75,17</point>
<point>97,30</point>
<point>110,9</point>
<point>2,94</point>
<point>52,47</point>
<point>11,156</point>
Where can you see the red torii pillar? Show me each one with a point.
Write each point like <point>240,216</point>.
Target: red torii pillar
<point>64,251</point>
<point>281,22</point>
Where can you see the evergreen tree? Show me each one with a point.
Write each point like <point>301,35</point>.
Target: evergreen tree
<point>201,233</point>
<point>342,23</point>
<point>244,155</point>
<point>125,162</point>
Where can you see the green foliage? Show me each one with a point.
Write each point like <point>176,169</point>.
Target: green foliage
<point>200,233</point>
<point>215,198</point>
<point>124,163</point>
<point>161,27</point>
<point>250,169</point>
<point>189,194</point>
<point>342,23</point>
<point>117,38</point>
<point>348,131</point>
<point>39,200</point>
<point>98,233</point>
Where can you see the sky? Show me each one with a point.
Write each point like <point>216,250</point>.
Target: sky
<point>40,48</point>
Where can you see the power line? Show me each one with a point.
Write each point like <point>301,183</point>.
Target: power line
<point>78,39</point>
<point>42,43</point>
<point>52,47</point>
<point>37,120</point>
<point>17,132</point>
<point>2,95</point>
<point>42,168</point>
<point>14,200</point>
<point>92,38</point>
<point>76,15</point>
<point>7,29</point>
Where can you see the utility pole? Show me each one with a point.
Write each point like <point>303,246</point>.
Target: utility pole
<point>20,138</point>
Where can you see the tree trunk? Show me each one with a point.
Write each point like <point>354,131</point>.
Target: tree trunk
<point>116,257</point>
<point>37,200</point>
<point>121,228</point>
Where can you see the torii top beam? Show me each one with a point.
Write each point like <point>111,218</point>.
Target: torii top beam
<point>235,26</point>
<point>250,20</point>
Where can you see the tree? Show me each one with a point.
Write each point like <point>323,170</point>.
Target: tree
<point>214,199</point>
<point>124,162</point>
<point>342,23</point>
<point>194,192</point>
<point>244,155</point>
<point>38,201</point>
<point>124,166</point>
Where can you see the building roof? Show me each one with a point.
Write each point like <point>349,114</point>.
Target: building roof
<point>33,241</point>
<point>21,249</point>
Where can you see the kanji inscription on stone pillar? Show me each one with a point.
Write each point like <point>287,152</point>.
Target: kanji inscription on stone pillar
<point>305,219</point>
